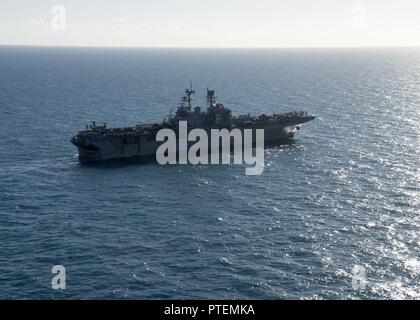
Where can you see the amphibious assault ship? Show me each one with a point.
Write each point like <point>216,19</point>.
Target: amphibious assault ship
<point>100,142</point>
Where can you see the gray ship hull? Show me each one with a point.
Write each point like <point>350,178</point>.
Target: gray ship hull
<point>99,143</point>
<point>144,147</point>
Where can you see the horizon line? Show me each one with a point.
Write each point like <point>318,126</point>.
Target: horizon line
<point>204,47</point>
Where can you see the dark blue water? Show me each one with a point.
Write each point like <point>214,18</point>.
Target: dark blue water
<point>346,193</point>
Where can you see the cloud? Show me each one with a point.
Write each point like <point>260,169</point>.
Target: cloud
<point>34,23</point>
<point>119,20</point>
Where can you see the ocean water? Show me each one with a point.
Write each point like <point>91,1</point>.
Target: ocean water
<point>346,193</point>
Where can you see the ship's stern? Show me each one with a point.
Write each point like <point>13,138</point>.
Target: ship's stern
<point>87,153</point>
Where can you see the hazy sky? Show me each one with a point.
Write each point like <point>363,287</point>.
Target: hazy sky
<point>214,23</point>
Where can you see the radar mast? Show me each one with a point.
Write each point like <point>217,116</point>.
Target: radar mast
<point>189,92</point>
<point>211,98</point>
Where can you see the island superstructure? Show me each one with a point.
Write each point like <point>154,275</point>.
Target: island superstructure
<point>101,143</point>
